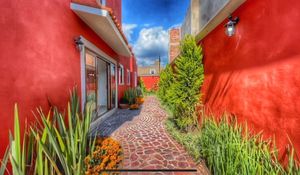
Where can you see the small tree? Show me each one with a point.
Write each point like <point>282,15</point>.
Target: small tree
<point>141,84</point>
<point>185,91</point>
<point>165,82</point>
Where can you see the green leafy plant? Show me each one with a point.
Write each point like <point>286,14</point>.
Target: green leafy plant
<point>139,92</point>
<point>229,148</point>
<point>4,161</point>
<point>141,84</point>
<point>21,151</point>
<point>179,87</point>
<point>165,82</point>
<point>69,141</point>
<point>131,95</point>
<point>54,145</point>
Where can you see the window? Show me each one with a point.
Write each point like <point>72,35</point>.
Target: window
<point>152,71</point>
<point>121,75</point>
<point>135,79</point>
<point>128,76</point>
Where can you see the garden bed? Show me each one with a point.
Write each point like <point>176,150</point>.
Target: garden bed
<point>229,148</point>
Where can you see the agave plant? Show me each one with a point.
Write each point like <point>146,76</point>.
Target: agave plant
<point>130,95</point>
<point>19,153</point>
<point>67,142</point>
<point>3,162</point>
<point>54,146</point>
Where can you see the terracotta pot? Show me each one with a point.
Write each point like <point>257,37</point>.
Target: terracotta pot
<point>134,106</point>
<point>124,106</point>
<point>140,100</point>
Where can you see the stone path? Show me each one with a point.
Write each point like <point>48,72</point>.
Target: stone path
<point>146,143</point>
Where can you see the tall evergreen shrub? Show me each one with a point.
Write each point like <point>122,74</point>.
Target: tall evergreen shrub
<point>179,87</point>
<point>185,91</point>
<point>165,82</point>
<point>141,84</point>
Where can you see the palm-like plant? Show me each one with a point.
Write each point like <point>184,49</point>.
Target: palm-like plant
<point>54,146</point>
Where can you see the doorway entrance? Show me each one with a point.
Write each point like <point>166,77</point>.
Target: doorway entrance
<point>100,84</point>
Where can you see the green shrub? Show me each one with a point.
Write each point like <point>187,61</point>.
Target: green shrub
<point>139,92</point>
<point>165,81</point>
<point>228,148</point>
<point>141,84</point>
<point>179,89</point>
<point>188,80</point>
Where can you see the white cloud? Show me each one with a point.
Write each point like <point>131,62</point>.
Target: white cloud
<point>128,30</point>
<point>151,43</point>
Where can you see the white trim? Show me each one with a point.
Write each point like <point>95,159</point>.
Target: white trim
<point>121,78</point>
<point>117,85</point>
<point>89,9</point>
<point>83,80</point>
<point>135,79</point>
<point>128,77</point>
<point>119,34</point>
<point>78,8</point>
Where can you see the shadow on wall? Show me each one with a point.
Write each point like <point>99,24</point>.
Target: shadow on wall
<point>214,95</point>
<point>255,74</point>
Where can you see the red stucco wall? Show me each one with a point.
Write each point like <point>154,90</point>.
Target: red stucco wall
<point>117,6</point>
<point>38,57</point>
<point>255,74</point>
<point>150,82</point>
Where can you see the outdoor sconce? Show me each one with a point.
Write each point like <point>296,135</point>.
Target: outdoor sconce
<point>79,43</point>
<point>230,26</point>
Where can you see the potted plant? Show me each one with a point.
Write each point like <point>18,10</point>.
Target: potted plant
<point>134,106</point>
<point>131,95</point>
<point>140,97</point>
<point>124,103</point>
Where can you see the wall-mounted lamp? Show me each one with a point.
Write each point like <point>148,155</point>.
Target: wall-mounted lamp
<point>79,43</point>
<point>230,26</point>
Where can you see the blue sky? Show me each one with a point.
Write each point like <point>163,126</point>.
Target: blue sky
<point>146,24</point>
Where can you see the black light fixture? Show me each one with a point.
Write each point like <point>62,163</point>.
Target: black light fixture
<point>78,43</point>
<point>230,26</point>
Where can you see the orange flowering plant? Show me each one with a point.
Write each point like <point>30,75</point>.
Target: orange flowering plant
<point>107,156</point>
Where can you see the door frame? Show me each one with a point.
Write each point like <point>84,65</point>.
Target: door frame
<point>87,45</point>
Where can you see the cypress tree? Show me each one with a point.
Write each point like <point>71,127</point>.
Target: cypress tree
<point>165,82</point>
<point>185,91</point>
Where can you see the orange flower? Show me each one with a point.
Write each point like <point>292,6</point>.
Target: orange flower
<point>107,152</point>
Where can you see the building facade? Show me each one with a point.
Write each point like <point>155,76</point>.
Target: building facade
<point>253,74</point>
<point>150,75</point>
<point>50,46</point>
<point>174,43</point>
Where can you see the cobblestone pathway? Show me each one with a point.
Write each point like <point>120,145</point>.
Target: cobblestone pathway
<point>146,143</point>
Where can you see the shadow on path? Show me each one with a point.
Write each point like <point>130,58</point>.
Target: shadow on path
<point>112,123</point>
